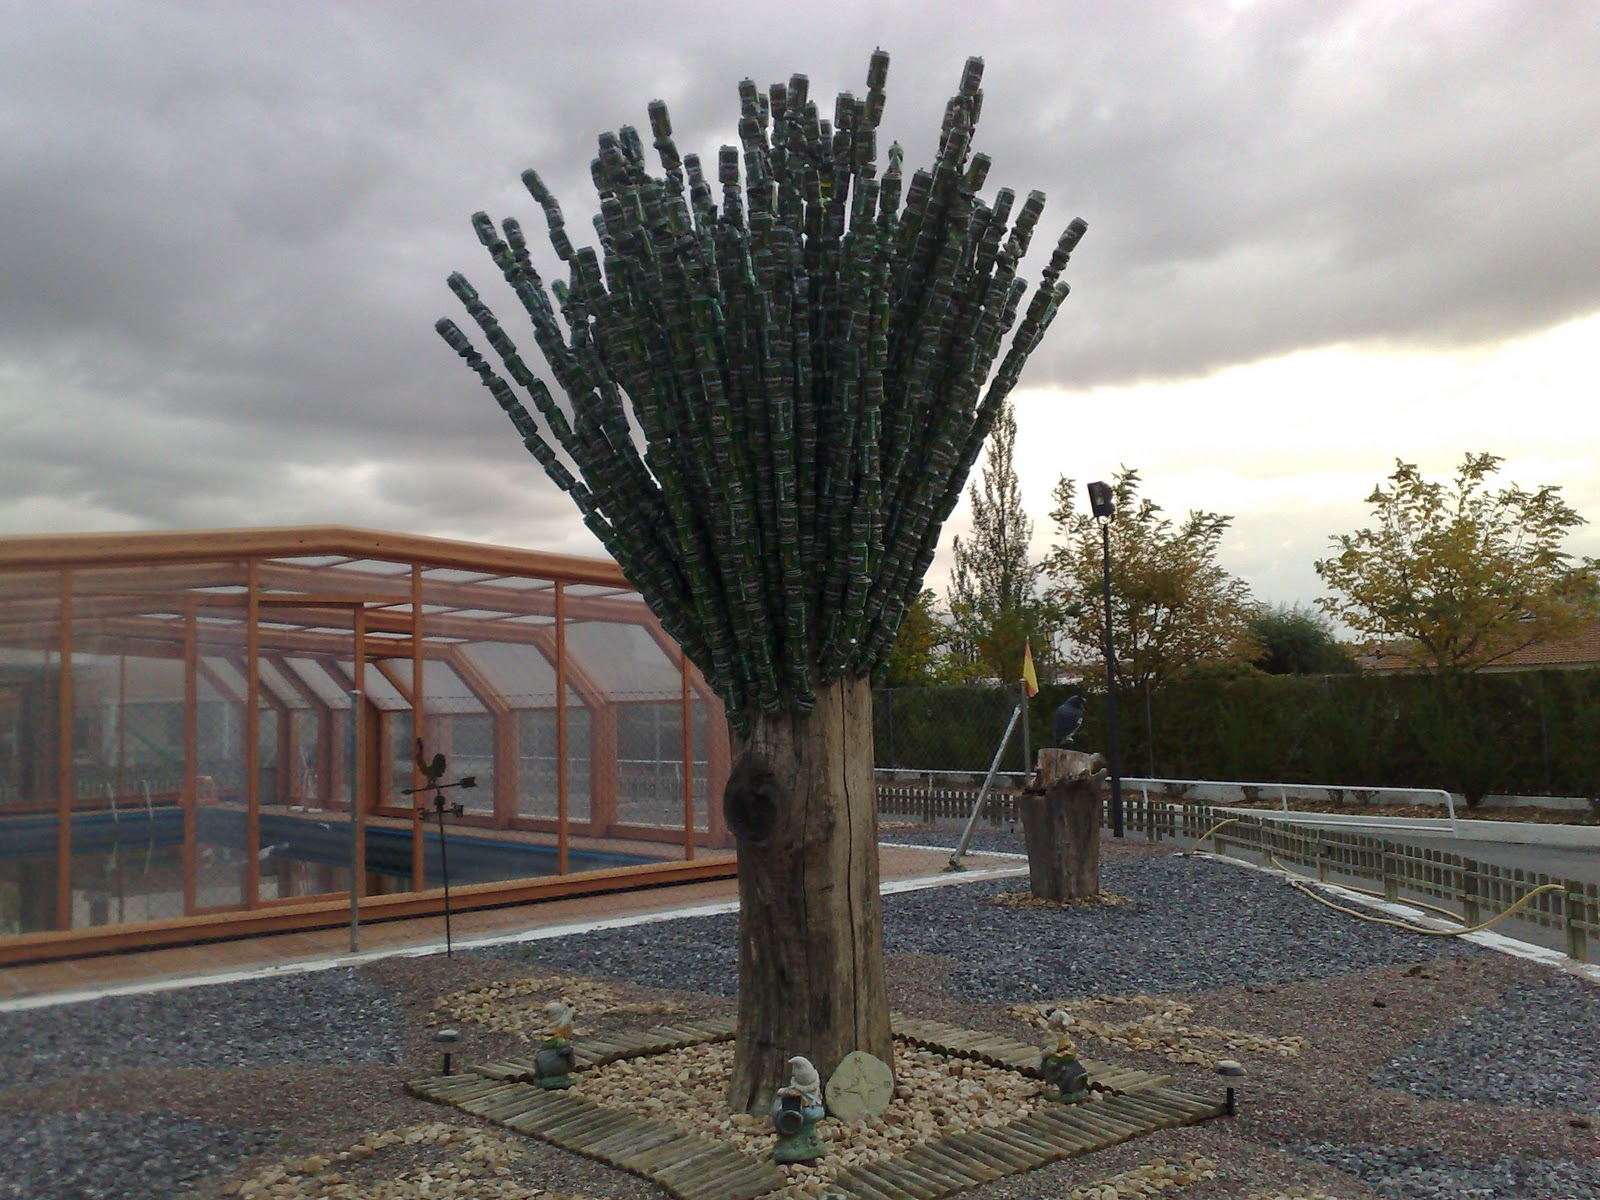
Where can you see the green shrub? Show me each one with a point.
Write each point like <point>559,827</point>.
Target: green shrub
<point>1523,732</point>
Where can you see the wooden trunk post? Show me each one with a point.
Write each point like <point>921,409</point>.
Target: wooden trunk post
<point>801,805</point>
<point>1060,811</point>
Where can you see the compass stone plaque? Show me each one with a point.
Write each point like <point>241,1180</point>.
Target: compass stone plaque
<point>861,1086</point>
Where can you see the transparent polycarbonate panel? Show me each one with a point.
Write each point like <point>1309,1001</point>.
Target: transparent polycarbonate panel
<point>222,837</point>
<point>520,673</point>
<point>382,692</point>
<point>127,757</point>
<point>30,721</point>
<point>623,660</point>
<point>444,690</point>
<point>704,718</point>
<point>650,763</point>
<point>539,760</point>
<point>309,745</point>
<point>331,688</point>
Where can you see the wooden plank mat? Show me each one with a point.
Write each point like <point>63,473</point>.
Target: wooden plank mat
<point>687,1165</point>
<point>1050,1133</point>
<point>1013,1054</point>
<point>692,1167</point>
<point>596,1052</point>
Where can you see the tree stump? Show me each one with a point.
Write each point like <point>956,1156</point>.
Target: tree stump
<point>800,799</point>
<point>1060,810</point>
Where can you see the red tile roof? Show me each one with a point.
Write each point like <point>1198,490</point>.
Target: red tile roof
<point>1582,649</point>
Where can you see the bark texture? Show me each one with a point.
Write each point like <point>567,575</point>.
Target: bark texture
<point>1060,810</point>
<point>801,806</point>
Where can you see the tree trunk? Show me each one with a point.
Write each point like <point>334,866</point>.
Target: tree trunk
<point>801,804</point>
<point>1060,810</point>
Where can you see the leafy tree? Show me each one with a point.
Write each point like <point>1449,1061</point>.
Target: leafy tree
<point>774,396</point>
<point>1298,641</point>
<point>1172,604</point>
<point>919,657</point>
<point>1458,577</point>
<point>994,603</point>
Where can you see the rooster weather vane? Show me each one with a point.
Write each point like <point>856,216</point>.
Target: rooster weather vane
<point>432,771</point>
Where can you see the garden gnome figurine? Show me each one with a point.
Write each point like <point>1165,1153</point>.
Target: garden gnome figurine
<point>555,1060</point>
<point>796,1109</point>
<point>561,1016</point>
<point>1059,1065</point>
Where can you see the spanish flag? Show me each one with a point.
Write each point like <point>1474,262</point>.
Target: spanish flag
<point>1030,677</point>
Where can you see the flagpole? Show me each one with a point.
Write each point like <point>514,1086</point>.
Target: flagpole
<point>1030,684</point>
<point>1027,755</point>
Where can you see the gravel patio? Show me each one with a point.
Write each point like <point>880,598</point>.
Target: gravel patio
<point>1380,1063</point>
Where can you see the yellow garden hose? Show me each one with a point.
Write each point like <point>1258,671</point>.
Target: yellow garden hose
<point>1443,912</point>
<point>1213,829</point>
<point>1409,928</point>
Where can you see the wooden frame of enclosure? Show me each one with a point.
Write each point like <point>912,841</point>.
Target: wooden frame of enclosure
<point>369,609</point>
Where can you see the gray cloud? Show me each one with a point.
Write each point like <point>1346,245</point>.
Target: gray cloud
<point>228,226</point>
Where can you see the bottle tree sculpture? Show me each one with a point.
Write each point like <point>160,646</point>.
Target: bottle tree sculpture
<point>772,406</point>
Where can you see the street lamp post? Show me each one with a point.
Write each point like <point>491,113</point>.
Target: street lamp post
<point>1104,508</point>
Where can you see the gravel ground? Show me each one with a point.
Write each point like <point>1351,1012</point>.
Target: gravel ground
<point>1191,935</point>
<point>1381,1064</point>
<point>329,1017</point>
<point>87,1154</point>
<point>1428,1175</point>
<point>1551,1025</point>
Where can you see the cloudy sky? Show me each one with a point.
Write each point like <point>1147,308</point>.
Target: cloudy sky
<point>1322,236</point>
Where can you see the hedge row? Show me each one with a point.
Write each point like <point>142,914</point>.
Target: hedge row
<point>1521,733</point>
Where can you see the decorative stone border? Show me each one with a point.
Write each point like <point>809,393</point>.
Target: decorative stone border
<point>692,1167</point>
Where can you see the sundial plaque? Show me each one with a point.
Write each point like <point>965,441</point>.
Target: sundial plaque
<point>861,1086</point>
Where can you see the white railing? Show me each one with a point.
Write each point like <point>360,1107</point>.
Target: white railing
<point>903,776</point>
<point>1283,790</point>
<point>930,776</point>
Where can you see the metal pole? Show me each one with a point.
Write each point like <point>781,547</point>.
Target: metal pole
<point>983,793</point>
<point>353,790</point>
<point>1111,691</point>
<point>1149,729</point>
<point>444,870</point>
<point>1027,754</point>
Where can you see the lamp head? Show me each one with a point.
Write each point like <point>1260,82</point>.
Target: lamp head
<point>1100,501</point>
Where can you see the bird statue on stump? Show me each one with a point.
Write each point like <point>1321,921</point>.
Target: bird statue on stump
<point>1068,717</point>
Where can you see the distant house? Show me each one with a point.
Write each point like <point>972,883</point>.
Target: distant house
<point>1579,652</point>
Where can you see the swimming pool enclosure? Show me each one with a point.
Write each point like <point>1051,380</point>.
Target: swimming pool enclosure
<point>212,733</point>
